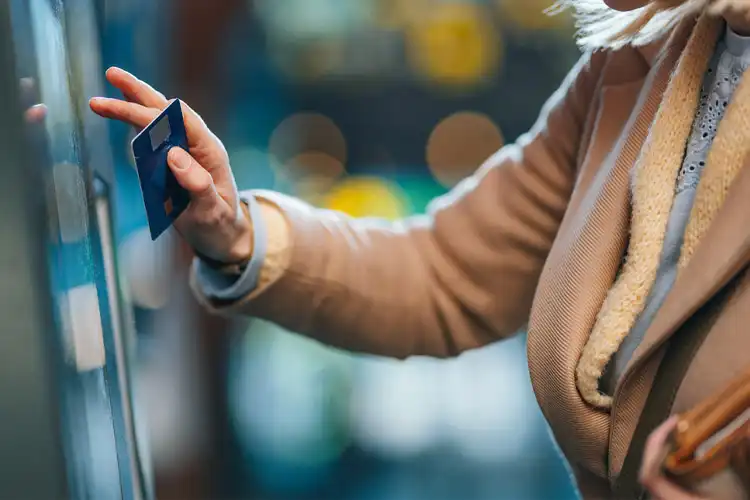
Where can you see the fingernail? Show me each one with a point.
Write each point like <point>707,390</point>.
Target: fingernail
<point>179,158</point>
<point>36,113</point>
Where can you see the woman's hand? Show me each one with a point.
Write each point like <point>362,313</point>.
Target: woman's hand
<point>214,223</point>
<point>34,113</point>
<point>651,475</point>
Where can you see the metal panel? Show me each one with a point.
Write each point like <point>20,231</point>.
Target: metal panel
<point>31,460</point>
<point>65,404</point>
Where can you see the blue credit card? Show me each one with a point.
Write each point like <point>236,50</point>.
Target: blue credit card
<point>163,197</point>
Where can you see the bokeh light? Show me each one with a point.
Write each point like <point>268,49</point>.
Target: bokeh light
<point>488,423</point>
<point>306,36</point>
<point>304,132</point>
<point>460,144</point>
<point>532,15</point>
<point>367,197</point>
<point>396,408</point>
<point>313,61</point>
<point>312,173</point>
<point>290,402</point>
<point>454,44</point>
<point>251,168</point>
<point>305,20</point>
<point>398,14</point>
<point>147,268</point>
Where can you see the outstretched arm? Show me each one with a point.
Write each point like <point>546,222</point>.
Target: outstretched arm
<point>457,278</point>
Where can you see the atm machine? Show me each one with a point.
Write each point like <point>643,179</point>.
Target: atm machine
<point>68,426</point>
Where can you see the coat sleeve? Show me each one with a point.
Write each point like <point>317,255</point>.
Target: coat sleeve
<point>459,277</point>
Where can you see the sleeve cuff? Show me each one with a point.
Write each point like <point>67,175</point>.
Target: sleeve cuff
<point>218,286</point>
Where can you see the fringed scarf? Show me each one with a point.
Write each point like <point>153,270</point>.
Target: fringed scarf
<point>652,195</point>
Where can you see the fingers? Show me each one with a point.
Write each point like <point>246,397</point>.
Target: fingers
<point>195,127</point>
<point>654,453</point>
<point>663,489</point>
<point>651,475</point>
<point>191,176</point>
<point>134,114</point>
<point>35,114</point>
<point>136,90</point>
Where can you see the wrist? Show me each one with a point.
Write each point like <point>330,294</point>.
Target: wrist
<point>241,251</point>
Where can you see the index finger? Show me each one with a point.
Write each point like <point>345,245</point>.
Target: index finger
<point>129,112</point>
<point>656,450</point>
<point>136,90</point>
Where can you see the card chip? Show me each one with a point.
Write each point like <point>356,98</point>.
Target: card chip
<point>168,206</point>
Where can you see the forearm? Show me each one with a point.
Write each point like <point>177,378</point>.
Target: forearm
<point>362,285</point>
<point>458,278</point>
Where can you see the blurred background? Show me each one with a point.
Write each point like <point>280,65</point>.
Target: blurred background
<point>371,107</point>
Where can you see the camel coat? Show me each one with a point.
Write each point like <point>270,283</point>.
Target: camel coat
<point>534,239</point>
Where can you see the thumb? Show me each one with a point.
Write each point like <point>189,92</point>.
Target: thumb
<point>191,175</point>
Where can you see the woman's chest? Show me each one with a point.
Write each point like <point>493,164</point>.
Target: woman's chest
<point>583,264</point>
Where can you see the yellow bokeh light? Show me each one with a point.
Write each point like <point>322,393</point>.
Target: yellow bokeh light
<point>461,143</point>
<point>367,197</point>
<point>532,15</point>
<point>454,44</point>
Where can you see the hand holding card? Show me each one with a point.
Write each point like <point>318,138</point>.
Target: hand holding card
<point>213,222</point>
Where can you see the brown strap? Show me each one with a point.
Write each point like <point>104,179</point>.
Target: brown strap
<point>680,352</point>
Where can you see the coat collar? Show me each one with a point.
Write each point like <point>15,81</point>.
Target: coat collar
<point>587,253</point>
<point>722,252</point>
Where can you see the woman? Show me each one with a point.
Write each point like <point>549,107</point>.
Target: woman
<point>581,228</point>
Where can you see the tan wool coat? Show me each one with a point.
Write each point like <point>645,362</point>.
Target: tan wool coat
<point>533,240</point>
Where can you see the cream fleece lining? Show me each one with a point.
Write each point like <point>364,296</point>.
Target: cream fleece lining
<point>653,194</point>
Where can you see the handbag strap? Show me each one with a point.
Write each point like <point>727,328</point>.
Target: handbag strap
<point>680,352</point>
